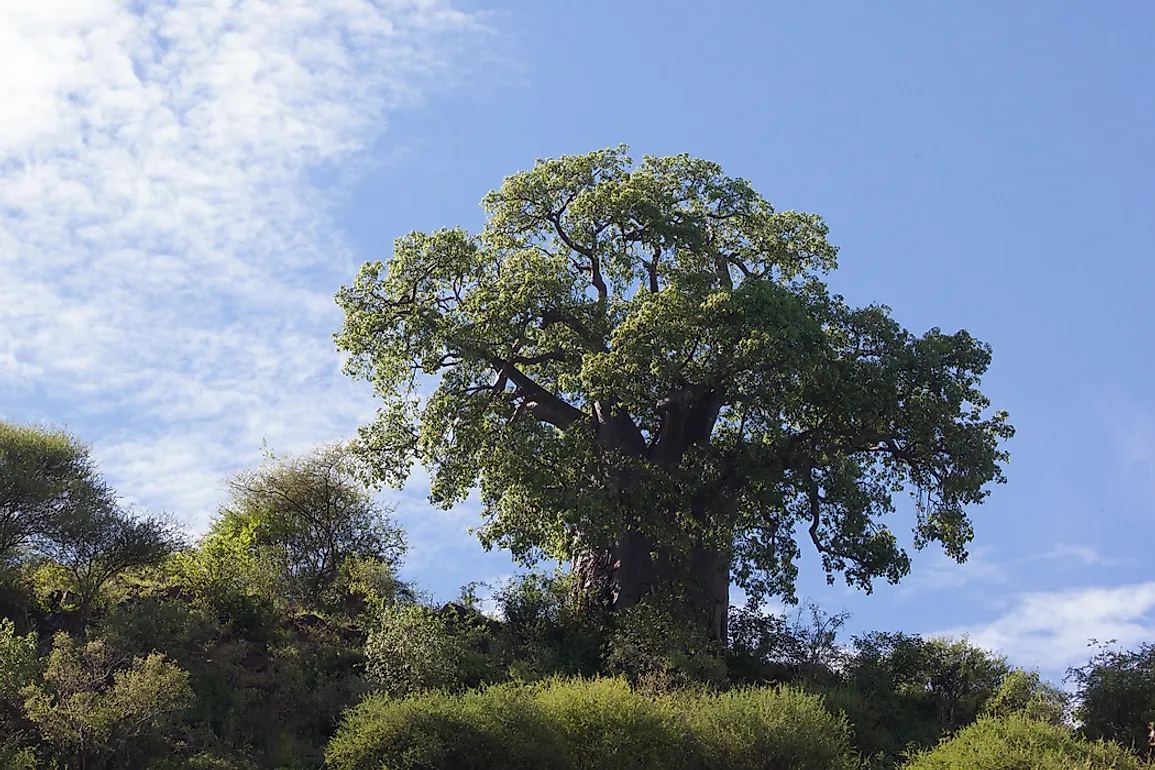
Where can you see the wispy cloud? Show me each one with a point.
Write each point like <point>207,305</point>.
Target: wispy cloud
<point>1051,629</point>
<point>1084,555</point>
<point>166,266</point>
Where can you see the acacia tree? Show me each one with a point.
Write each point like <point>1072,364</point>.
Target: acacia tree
<point>308,521</point>
<point>55,506</point>
<point>644,373</point>
<point>48,481</point>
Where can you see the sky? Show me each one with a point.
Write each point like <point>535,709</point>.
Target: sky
<point>185,185</point>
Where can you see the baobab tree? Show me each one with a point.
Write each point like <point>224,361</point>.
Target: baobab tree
<point>644,373</point>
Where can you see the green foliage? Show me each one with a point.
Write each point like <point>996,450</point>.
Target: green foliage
<point>603,724</point>
<point>19,661</point>
<point>273,699</point>
<point>486,729</point>
<point>773,728</point>
<point>652,349</point>
<point>1017,742</point>
<point>549,633</point>
<point>1025,693</point>
<point>951,678</point>
<point>1116,694</point>
<point>415,647</point>
<point>309,523</point>
<point>654,648</point>
<point>94,707</point>
<point>591,724</point>
<point>412,649</point>
<point>767,647</point>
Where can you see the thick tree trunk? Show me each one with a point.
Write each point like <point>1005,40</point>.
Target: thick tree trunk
<point>618,576</point>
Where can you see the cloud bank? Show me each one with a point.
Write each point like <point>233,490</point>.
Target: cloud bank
<point>1052,629</point>
<point>167,263</point>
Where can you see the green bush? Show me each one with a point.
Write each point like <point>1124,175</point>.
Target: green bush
<point>591,724</point>
<point>549,633</point>
<point>603,724</point>
<point>18,661</point>
<point>413,649</point>
<point>488,728</point>
<point>882,728</point>
<point>655,649</point>
<point>767,728</point>
<point>1018,742</point>
<point>97,708</point>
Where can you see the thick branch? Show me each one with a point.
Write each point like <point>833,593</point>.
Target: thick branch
<point>586,251</point>
<point>688,418</point>
<point>539,402</point>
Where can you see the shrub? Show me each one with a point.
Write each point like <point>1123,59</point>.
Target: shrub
<point>654,649</point>
<point>881,728</point>
<point>413,649</point>
<point>604,724</point>
<point>549,634</point>
<point>18,661</point>
<point>1017,742</point>
<point>94,705</point>
<point>770,728</point>
<point>491,728</point>
<point>591,724</point>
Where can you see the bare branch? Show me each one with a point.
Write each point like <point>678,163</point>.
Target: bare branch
<point>815,514</point>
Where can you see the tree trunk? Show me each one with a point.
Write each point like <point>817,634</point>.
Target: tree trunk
<point>617,576</point>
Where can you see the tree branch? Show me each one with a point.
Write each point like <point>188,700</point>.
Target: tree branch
<point>539,402</point>
<point>554,316</point>
<point>815,514</point>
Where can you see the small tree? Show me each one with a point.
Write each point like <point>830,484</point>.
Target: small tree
<point>56,508</point>
<point>48,481</point>
<point>93,548</point>
<point>1024,692</point>
<point>1116,694</point>
<point>309,521</point>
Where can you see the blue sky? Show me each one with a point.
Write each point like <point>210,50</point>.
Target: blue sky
<point>185,187</point>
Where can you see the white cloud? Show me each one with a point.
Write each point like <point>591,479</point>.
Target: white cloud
<point>1051,630</point>
<point>1086,555</point>
<point>166,267</point>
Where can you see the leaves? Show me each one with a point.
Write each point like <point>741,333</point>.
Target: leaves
<point>623,337</point>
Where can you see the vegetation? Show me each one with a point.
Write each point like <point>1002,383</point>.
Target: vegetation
<point>593,724</point>
<point>283,639</point>
<point>645,375</point>
<point>643,371</point>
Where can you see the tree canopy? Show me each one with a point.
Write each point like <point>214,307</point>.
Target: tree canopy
<point>632,360</point>
<point>56,506</point>
<point>309,522</point>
